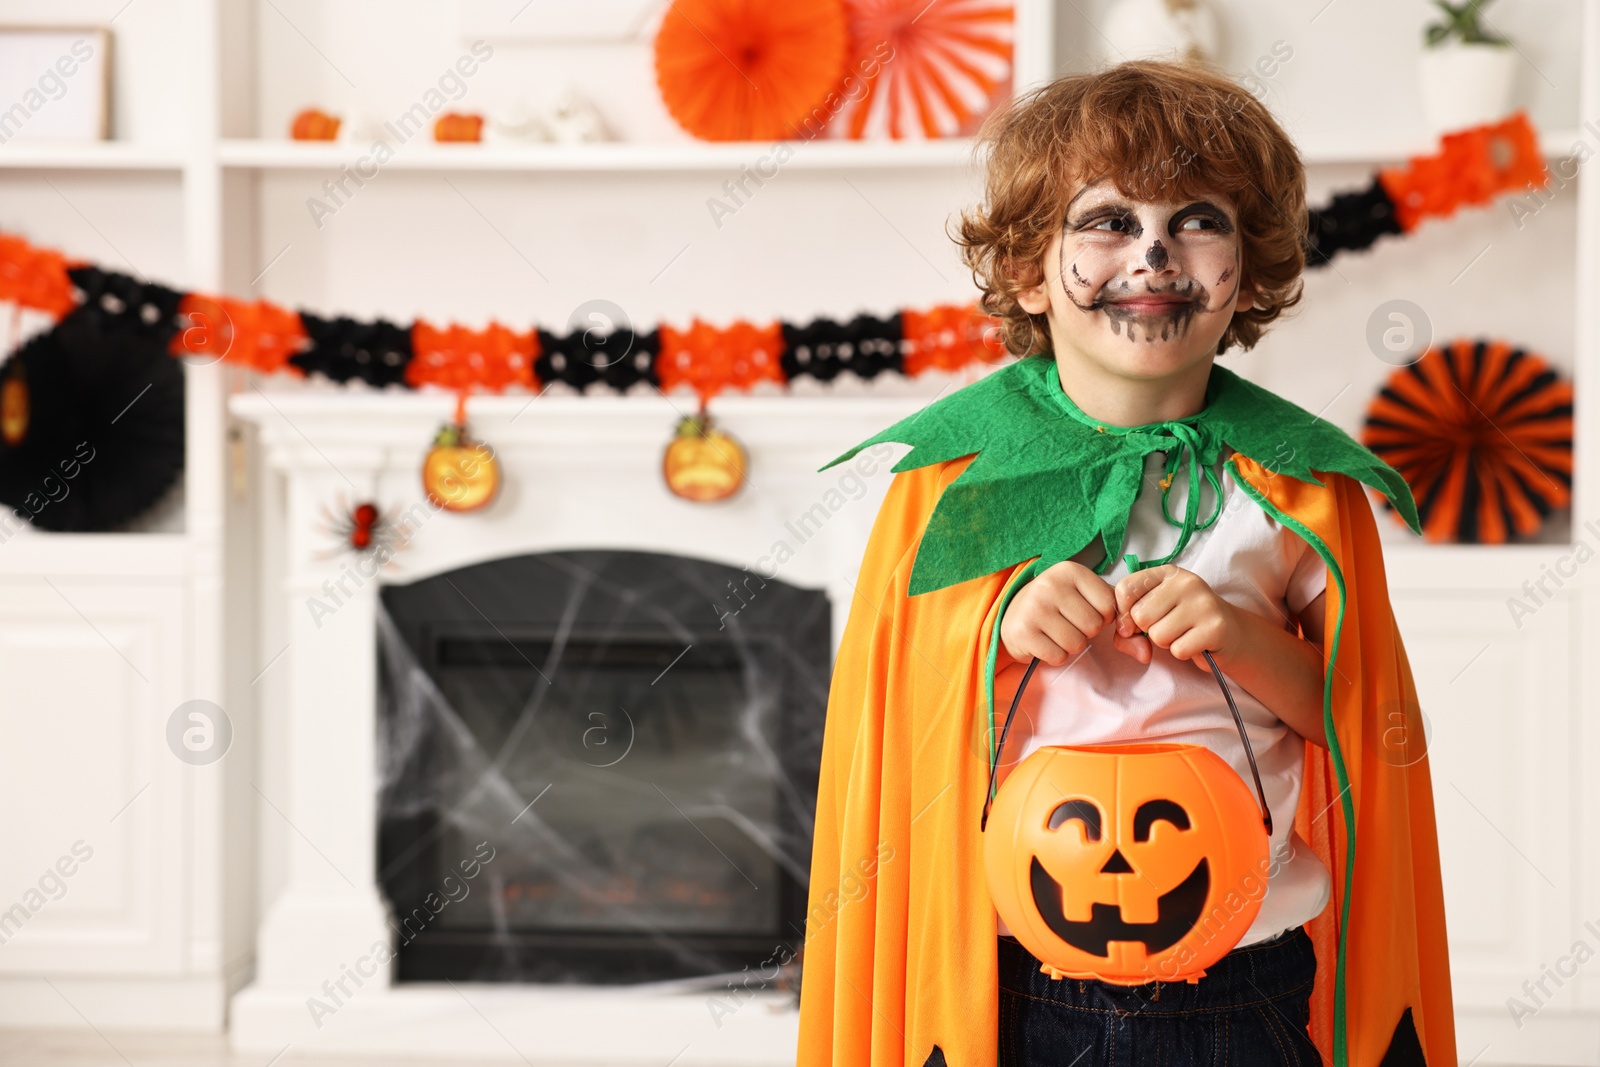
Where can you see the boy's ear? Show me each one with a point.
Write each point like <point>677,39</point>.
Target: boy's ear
<point>1246,299</point>
<point>1033,298</point>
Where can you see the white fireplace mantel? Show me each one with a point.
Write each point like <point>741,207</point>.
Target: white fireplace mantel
<point>577,473</point>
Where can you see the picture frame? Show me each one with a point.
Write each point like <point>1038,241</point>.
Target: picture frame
<point>55,83</point>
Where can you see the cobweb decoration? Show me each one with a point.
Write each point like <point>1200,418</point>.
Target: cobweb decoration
<point>936,68</point>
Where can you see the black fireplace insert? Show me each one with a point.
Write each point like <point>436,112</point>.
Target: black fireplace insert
<point>598,766</point>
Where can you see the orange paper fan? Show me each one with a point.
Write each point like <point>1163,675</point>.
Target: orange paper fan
<point>1482,432</point>
<point>748,70</point>
<point>923,70</point>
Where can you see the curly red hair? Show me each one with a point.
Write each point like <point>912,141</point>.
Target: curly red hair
<point>1160,130</point>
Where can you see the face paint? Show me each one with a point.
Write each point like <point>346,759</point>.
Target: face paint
<point>1148,291</point>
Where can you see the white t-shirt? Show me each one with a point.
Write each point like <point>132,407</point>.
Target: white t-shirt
<point>1103,695</point>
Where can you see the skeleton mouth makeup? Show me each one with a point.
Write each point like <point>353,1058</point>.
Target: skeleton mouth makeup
<point>1147,313</point>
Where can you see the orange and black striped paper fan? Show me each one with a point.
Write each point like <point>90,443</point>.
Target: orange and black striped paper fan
<point>1482,432</point>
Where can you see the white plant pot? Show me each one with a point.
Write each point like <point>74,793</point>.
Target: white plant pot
<point>1159,29</point>
<point>1465,85</point>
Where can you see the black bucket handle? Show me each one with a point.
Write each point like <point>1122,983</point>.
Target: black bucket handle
<point>994,761</point>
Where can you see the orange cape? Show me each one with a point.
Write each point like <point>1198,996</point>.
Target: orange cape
<point>900,949</point>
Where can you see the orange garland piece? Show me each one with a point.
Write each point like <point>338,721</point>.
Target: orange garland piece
<point>709,360</point>
<point>461,359</point>
<point>258,335</point>
<point>948,337</point>
<point>35,277</point>
<point>1472,166</point>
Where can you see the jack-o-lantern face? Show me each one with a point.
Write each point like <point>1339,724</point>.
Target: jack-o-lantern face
<point>460,474</point>
<point>1126,863</point>
<point>15,410</point>
<point>702,463</point>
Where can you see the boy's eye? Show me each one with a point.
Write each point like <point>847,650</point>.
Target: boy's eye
<point>1119,220</point>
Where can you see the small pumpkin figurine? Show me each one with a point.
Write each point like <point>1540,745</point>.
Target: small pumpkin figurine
<point>702,463</point>
<point>314,125</point>
<point>457,126</point>
<point>458,473</point>
<point>15,408</point>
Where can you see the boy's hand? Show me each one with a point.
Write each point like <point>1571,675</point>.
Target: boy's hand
<point>1177,611</point>
<point>1056,614</point>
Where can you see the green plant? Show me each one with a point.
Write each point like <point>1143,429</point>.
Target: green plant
<point>1461,23</point>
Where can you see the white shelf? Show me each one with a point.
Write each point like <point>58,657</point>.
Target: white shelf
<point>1359,147</point>
<point>89,155</point>
<point>604,156</point>
<point>247,154</point>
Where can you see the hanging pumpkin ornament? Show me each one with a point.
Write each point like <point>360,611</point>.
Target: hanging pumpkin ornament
<point>14,405</point>
<point>703,463</point>
<point>460,474</point>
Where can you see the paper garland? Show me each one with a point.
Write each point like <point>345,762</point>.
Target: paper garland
<point>703,358</point>
<point>1473,166</point>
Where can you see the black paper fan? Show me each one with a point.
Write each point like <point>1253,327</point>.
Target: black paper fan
<point>99,436</point>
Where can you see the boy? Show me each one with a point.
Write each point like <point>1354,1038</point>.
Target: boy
<point>1114,505</point>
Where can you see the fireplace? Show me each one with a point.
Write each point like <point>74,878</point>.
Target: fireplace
<point>631,739</point>
<point>392,752</point>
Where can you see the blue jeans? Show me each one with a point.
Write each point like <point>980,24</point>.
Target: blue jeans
<point>1250,1010</point>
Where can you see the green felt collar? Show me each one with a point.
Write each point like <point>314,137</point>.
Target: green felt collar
<point>1046,479</point>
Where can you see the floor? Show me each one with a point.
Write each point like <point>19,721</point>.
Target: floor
<point>68,1048</point>
<point>62,1048</point>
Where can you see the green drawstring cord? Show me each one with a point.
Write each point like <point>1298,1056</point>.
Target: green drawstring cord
<point>1199,449</point>
<point>1189,445</point>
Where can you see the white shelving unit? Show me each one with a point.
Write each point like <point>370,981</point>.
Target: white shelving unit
<point>200,192</point>
<point>617,156</point>
<point>105,155</point>
<point>246,154</point>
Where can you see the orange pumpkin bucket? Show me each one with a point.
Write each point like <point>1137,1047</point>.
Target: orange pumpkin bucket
<point>1127,863</point>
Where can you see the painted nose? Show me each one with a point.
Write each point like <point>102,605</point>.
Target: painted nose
<point>1156,257</point>
<point>1117,864</point>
